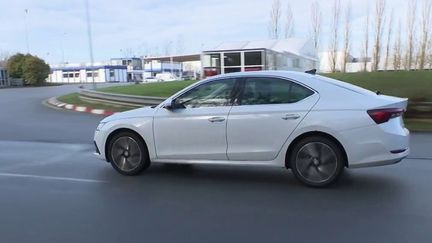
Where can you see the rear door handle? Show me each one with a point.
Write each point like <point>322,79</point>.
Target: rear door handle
<point>216,119</point>
<point>291,117</point>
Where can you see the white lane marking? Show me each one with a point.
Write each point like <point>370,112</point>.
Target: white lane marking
<point>97,111</point>
<point>80,108</point>
<point>52,178</point>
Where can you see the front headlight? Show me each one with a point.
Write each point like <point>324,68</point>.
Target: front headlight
<point>99,127</point>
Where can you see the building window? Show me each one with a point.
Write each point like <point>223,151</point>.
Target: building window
<point>232,70</point>
<point>232,59</point>
<point>211,60</point>
<point>92,74</point>
<point>71,75</point>
<point>296,63</point>
<point>112,73</point>
<point>253,58</point>
<point>65,75</point>
<point>77,75</point>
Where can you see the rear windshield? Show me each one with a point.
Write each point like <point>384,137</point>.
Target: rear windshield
<point>345,85</point>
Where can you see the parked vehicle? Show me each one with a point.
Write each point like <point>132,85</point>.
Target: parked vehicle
<point>313,125</point>
<point>150,79</point>
<point>166,77</point>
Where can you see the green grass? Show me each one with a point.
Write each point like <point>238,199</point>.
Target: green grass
<point>74,99</point>
<point>160,89</point>
<point>415,85</point>
<point>419,125</point>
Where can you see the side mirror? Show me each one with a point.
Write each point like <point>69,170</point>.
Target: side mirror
<point>173,105</point>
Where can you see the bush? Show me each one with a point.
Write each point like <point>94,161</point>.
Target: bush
<point>32,69</point>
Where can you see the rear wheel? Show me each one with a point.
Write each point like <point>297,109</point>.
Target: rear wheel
<point>128,153</point>
<point>317,161</point>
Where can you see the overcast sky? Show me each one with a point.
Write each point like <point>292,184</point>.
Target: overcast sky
<point>138,27</point>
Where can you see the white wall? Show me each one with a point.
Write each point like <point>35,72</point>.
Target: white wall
<point>103,75</point>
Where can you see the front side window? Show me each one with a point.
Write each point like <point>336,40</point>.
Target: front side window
<point>212,94</point>
<point>260,91</point>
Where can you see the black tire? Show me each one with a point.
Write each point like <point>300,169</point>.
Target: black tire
<point>128,153</point>
<point>317,161</point>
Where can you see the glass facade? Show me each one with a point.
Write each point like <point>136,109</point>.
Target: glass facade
<point>4,77</point>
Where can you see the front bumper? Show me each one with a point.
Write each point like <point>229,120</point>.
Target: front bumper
<point>99,143</point>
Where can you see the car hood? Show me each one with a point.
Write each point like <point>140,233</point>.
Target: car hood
<point>140,112</point>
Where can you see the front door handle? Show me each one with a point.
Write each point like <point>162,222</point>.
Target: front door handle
<point>216,119</point>
<point>291,117</point>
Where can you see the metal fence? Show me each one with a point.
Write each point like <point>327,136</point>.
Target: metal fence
<point>119,99</point>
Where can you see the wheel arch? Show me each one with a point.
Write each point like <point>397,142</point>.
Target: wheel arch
<point>120,130</point>
<point>309,134</point>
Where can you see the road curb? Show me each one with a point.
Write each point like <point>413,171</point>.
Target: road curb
<point>61,105</point>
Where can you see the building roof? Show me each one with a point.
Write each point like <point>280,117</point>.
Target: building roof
<point>77,68</point>
<point>175,58</point>
<point>296,46</point>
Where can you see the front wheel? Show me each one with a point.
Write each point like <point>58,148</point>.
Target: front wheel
<point>317,161</point>
<point>128,153</point>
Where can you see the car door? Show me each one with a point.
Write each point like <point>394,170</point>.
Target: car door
<point>268,111</point>
<point>197,130</point>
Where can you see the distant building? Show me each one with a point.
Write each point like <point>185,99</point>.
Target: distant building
<point>183,66</point>
<point>353,64</point>
<point>287,54</point>
<point>4,77</point>
<point>86,74</point>
<point>134,67</point>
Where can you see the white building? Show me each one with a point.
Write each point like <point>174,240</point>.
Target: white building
<point>134,67</point>
<point>288,54</point>
<point>183,66</point>
<point>71,73</point>
<point>353,64</point>
<point>4,77</point>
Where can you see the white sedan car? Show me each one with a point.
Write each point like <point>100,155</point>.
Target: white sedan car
<point>313,125</point>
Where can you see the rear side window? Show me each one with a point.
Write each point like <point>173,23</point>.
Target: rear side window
<point>260,91</point>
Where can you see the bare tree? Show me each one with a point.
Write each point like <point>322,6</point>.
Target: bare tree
<point>388,44</point>
<point>275,17</point>
<point>411,17</point>
<point>168,48</point>
<point>334,43</point>
<point>426,26</point>
<point>430,54</point>
<point>180,44</point>
<point>397,49</point>
<point>379,23</point>
<point>4,56</point>
<point>347,35</point>
<point>289,24</point>
<point>316,17</point>
<point>366,42</point>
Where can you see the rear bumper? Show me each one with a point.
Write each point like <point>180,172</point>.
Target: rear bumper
<point>400,157</point>
<point>375,145</point>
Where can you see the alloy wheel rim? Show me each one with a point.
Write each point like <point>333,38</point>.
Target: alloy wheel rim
<point>126,154</point>
<point>316,162</point>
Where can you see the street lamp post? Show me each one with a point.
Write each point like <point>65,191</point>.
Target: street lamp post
<point>89,35</point>
<point>26,30</point>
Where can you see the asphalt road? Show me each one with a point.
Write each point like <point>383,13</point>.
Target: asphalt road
<point>53,190</point>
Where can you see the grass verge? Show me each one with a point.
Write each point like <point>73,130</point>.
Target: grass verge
<point>159,89</point>
<point>415,85</point>
<point>418,125</point>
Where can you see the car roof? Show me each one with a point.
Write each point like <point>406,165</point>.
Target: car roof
<point>287,74</point>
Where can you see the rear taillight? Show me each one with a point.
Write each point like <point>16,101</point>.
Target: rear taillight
<point>384,115</point>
